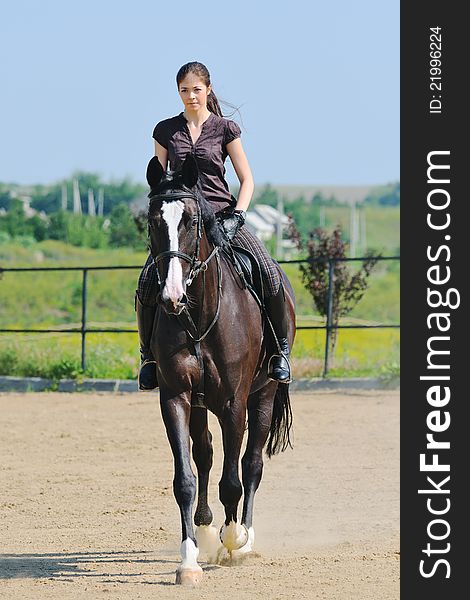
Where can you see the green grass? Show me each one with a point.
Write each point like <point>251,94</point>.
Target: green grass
<point>111,355</point>
<point>56,356</point>
<point>53,299</point>
<point>359,352</point>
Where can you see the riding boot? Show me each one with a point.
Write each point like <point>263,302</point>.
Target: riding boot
<point>148,372</point>
<point>279,367</point>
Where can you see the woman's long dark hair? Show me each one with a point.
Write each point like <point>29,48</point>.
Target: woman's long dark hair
<point>200,70</point>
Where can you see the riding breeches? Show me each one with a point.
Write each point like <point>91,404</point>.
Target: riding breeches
<point>147,288</point>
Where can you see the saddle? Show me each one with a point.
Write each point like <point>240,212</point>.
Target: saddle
<point>248,269</point>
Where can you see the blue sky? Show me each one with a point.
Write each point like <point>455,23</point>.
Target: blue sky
<point>84,82</point>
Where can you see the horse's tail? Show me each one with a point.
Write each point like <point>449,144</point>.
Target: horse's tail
<point>281,423</point>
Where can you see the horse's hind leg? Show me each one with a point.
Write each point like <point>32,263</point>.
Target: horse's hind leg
<point>207,536</point>
<point>232,535</point>
<point>260,410</point>
<point>176,415</point>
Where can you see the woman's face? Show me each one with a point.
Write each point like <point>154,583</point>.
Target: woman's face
<point>193,92</point>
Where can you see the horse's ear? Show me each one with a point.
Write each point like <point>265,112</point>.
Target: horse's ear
<point>189,171</point>
<point>154,172</point>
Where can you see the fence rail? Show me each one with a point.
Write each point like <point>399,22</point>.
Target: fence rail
<point>83,330</point>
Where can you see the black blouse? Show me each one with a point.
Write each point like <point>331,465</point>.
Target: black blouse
<point>210,152</point>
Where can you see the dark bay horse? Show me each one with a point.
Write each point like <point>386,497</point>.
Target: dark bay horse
<point>212,348</point>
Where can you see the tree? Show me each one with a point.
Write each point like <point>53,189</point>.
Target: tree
<point>78,230</point>
<point>15,222</point>
<point>4,198</point>
<point>39,228</point>
<point>47,199</point>
<point>58,225</point>
<point>348,287</point>
<point>117,192</point>
<point>123,229</point>
<point>267,195</point>
<point>385,195</point>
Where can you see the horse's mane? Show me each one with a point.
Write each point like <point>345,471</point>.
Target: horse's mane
<point>213,229</point>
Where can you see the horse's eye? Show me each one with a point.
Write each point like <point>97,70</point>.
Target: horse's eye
<point>194,222</point>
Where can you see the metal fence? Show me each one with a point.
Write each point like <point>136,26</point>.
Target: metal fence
<point>83,329</point>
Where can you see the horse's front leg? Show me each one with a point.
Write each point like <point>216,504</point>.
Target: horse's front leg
<point>232,534</point>
<point>206,534</point>
<point>176,413</point>
<point>202,455</point>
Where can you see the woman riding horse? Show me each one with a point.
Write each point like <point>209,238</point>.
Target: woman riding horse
<point>212,352</point>
<point>202,131</point>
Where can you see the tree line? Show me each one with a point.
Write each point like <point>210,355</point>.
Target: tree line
<point>116,227</point>
<point>116,230</point>
<point>49,198</point>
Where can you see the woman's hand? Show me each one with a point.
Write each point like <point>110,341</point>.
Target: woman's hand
<point>232,223</point>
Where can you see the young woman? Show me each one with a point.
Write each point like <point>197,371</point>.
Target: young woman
<point>202,130</point>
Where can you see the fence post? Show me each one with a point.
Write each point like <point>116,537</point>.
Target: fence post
<point>329,315</point>
<point>83,330</point>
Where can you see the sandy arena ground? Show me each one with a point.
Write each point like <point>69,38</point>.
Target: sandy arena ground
<point>87,508</point>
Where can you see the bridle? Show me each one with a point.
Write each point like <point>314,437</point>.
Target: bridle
<point>197,265</point>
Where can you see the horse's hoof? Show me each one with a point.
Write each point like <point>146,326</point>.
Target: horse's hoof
<point>208,542</point>
<point>234,536</point>
<point>247,548</point>
<point>189,576</point>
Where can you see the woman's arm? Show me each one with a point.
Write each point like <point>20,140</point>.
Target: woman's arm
<point>243,171</point>
<point>162,154</point>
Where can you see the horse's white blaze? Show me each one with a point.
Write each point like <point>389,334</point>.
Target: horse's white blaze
<point>189,554</point>
<point>172,213</point>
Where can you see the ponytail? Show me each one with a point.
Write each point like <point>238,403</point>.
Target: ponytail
<point>213,104</point>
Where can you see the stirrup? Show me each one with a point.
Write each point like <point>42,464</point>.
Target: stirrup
<point>270,369</point>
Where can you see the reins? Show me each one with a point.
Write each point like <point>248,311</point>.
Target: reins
<point>197,266</point>
<point>196,336</point>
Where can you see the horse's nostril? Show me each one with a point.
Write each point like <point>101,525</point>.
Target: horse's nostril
<point>175,307</point>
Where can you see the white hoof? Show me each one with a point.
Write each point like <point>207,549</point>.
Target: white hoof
<point>189,572</point>
<point>233,536</point>
<point>208,542</point>
<point>189,576</point>
<point>247,548</point>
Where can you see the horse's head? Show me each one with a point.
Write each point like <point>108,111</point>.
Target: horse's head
<point>175,222</point>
